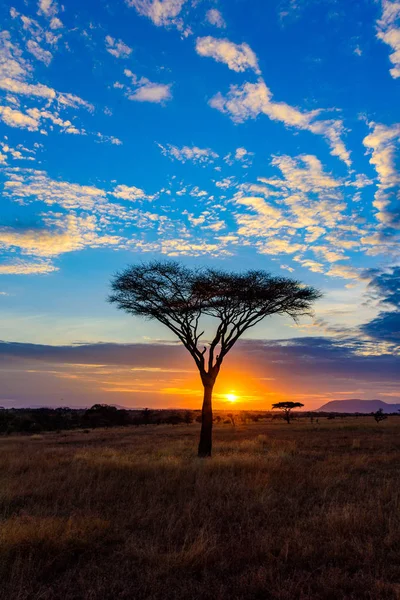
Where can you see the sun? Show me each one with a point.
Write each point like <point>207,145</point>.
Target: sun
<point>231,397</point>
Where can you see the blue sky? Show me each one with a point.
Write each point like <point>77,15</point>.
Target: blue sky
<point>239,134</point>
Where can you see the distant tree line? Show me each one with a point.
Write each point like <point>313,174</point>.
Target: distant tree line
<point>37,420</point>
<point>28,420</point>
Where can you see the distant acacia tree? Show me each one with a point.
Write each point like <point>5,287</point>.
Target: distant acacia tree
<point>178,297</point>
<point>379,415</point>
<point>287,408</point>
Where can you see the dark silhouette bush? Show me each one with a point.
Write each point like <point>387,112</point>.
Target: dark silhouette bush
<point>379,415</point>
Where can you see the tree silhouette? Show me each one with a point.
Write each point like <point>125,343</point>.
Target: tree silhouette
<point>379,415</point>
<point>287,408</point>
<point>178,297</point>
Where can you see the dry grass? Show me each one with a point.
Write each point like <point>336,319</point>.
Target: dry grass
<point>280,512</point>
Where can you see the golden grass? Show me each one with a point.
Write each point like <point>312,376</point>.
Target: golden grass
<point>280,512</point>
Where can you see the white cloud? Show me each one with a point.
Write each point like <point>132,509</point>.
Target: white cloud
<point>35,118</point>
<point>279,246</point>
<point>344,272</point>
<point>47,8</point>
<point>12,64</point>
<point>17,153</point>
<point>267,218</point>
<point>238,57</point>
<point>252,99</point>
<point>329,254</point>
<point>15,73</point>
<point>240,155</point>
<point>109,139</point>
<point>182,246</point>
<point>38,186</point>
<point>23,267</point>
<point>33,185</point>
<point>151,92</point>
<point>27,89</point>
<point>305,173</point>
<point>305,205</point>
<point>38,52</point>
<point>117,47</point>
<point>16,118</point>
<point>55,23</point>
<point>214,17</point>
<point>69,234</point>
<point>38,90</point>
<point>226,182</point>
<point>382,145</point>
<point>389,33</point>
<point>144,90</point>
<point>161,12</point>
<point>132,193</point>
<point>312,265</point>
<point>193,153</point>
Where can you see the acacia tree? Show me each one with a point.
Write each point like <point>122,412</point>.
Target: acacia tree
<point>287,408</point>
<point>178,297</point>
<point>379,415</point>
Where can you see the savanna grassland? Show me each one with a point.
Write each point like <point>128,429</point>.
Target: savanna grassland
<point>280,511</point>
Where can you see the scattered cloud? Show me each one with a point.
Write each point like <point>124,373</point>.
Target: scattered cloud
<point>389,33</point>
<point>117,47</point>
<point>15,79</point>
<point>22,267</point>
<point>382,144</point>
<point>240,155</point>
<point>312,265</point>
<point>16,118</point>
<point>250,100</point>
<point>238,57</point>
<point>17,153</point>
<point>111,139</point>
<point>49,8</point>
<point>304,211</point>
<point>186,153</point>
<point>37,185</point>
<point>132,193</point>
<point>214,17</point>
<point>144,90</point>
<point>305,173</point>
<point>183,246</point>
<point>344,272</point>
<point>161,12</point>
<point>38,52</point>
<point>67,234</point>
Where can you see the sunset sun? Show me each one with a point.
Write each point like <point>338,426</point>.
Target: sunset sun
<point>231,397</point>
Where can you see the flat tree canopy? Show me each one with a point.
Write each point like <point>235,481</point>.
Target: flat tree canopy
<point>178,297</point>
<point>287,407</point>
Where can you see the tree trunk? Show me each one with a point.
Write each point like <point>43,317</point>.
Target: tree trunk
<point>205,443</point>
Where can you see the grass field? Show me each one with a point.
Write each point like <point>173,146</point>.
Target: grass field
<point>280,511</point>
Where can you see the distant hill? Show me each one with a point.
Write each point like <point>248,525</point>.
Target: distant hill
<point>358,406</point>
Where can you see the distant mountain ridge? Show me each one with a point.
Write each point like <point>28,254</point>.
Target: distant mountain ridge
<point>358,406</point>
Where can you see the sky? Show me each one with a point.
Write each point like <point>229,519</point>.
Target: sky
<point>238,134</point>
